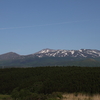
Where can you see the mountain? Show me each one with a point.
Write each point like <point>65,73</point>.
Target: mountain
<point>68,53</point>
<point>9,55</point>
<point>51,57</point>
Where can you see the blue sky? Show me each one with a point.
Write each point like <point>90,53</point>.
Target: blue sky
<point>27,26</point>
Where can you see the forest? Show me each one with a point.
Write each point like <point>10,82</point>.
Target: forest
<point>22,82</point>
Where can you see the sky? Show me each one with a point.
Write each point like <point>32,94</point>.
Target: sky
<point>28,26</point>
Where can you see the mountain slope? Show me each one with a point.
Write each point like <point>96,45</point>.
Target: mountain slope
<point>9,55</point>
<point>50,57</point>
<point>68,53</point>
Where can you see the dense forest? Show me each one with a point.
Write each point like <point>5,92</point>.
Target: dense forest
<point>47,80</point>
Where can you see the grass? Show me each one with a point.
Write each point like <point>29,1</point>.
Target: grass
<point>5,97</point>
<point>66,96</point>
<point>80,97</point>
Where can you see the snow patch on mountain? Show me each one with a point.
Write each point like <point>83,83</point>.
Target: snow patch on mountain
<point>82,53</point>
<point>68,53</point>
<point>72,52</point>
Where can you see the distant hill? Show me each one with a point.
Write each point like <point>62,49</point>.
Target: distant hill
<point>50,57</point>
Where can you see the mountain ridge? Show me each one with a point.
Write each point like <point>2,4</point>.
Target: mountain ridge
<point>65,53</point>
<point>47,50</point>
<point>51,57</point>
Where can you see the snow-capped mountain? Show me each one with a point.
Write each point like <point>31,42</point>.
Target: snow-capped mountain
<point>68,53</point>
<point>51,57</point>
<point>85,53</point>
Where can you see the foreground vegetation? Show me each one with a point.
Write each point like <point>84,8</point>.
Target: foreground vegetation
<point>5,97</point>
<point>48,83</point>
<point>64,96</point>
<point>80,97</point>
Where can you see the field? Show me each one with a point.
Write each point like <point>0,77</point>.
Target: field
<point>5,97</point>
<point>66,96</point>
<point>80,97</point>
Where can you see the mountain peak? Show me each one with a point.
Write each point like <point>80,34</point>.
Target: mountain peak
<point>46,50</point>
<point>51,57</point>
<point>68,53</point>
<point>9,55</point>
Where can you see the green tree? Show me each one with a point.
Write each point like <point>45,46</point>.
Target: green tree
<point>15,94</point>
<point>23,93</point>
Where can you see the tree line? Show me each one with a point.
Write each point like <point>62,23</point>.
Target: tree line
<point>46,80</point>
